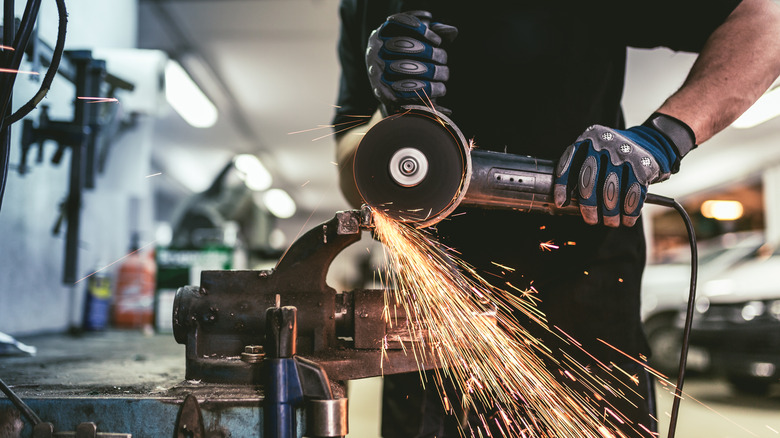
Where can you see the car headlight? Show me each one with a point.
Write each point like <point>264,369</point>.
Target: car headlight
<point>774,309</point>
<point>752,309</point>
<point>703,304</point>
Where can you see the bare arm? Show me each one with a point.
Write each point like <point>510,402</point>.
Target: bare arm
<point>739,61</point>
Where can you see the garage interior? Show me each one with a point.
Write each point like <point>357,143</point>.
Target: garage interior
<point>164,199</point>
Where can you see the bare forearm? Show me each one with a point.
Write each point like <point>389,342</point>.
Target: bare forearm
<point>738,63</point>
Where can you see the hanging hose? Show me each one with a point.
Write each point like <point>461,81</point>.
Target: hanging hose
<point>21,40</point>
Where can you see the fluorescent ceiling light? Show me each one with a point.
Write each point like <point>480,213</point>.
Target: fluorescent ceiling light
<point>766,108</point>
<point>186,98</point>
<point>252,172</point>
<point>279,203</point>
<point>722,210</point>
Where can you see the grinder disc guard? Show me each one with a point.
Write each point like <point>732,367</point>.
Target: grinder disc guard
<point>413,166</point>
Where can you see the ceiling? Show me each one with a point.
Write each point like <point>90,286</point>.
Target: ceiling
<point>271,68</point>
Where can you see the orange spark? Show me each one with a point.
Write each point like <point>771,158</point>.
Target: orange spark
<point>10,70</point>
<point>99,99</point>
<point>504,267</point>
<point>548,246</point>
<point>116,261</point>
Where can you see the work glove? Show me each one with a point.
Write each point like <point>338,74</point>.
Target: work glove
<point>405,60</point>
<point>607,170</point>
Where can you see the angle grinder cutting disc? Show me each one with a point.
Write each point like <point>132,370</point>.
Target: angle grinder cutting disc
<point>414,166</point>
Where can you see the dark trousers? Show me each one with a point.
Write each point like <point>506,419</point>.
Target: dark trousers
<point>411,411</point>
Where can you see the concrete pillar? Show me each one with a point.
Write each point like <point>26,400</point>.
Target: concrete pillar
<point>771,181</point>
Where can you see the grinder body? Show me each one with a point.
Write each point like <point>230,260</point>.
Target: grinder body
<point>417,167</point>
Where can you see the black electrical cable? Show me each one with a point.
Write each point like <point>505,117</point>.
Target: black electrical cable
<point>669,202</point>
<point>20,43</point>
<point>21,40</point>
<point>7,84</point>
<point>59,49</point>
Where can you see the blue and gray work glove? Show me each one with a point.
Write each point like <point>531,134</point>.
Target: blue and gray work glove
<point>607,171</point>
<point>405,60</point>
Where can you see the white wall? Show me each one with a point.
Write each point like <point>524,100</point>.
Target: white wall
<point>32,295</point>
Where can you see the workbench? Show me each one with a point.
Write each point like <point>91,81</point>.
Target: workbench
<point>126,382</point>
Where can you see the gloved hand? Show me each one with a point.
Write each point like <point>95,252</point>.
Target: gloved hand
<point>405,61</point>
<point>608,170</point>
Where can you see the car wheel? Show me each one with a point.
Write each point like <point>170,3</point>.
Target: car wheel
<point>749,385</point>
<point>665,343</point>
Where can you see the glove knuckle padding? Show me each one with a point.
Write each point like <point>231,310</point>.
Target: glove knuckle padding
<point>409,67</point>
<point>611,191</point>
<point>623,150</point>
<point>587,180</point>
<point>409,85</point>
<point>404,46</point>
<point>409,24</point>
<point>633,199</point>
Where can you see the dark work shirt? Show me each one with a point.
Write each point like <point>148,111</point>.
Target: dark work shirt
<point>527,78</point>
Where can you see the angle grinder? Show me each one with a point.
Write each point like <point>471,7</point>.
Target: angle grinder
<point>417,167</point>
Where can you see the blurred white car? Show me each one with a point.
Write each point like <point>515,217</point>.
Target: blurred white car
<point>738,322</point>
<point>665,290</point>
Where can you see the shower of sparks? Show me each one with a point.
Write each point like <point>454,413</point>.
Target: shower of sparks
<point>21,72</point>
<point>467,327</point>
<point>98,99</point>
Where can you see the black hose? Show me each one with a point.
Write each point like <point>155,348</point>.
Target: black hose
<point>59,49</point>
<point>7,84</point>
<point>669,202</point>
<point>6,90</point>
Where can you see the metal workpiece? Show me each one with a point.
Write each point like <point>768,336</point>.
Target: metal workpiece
<point>327,418</point>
